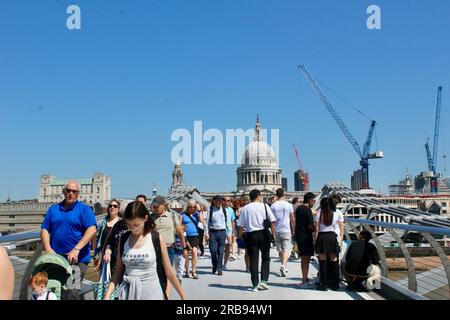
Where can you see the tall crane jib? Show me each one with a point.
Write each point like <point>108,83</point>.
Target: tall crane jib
<point>432,159</point>
<point>365,155</point>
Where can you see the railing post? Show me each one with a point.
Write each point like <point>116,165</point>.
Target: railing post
<point>412,280</point>
<point>441,253</point>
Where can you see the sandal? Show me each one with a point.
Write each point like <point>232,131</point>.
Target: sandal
<point>194,275</point>
<point>186,275</point>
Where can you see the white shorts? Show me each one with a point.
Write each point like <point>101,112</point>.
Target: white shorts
<point>283,241</point>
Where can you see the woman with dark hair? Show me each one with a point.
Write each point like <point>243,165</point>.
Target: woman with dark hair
<point>142,266</point>
<point>327,245</point>
<point>361,263</point>
<point>103,234</point>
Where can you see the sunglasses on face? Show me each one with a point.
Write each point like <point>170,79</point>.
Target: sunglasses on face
<point>113,206</point>
<point>72,191</point>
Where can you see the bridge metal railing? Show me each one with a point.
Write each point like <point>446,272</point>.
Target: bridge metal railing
<point>420,266</point>
<point>23,249</point>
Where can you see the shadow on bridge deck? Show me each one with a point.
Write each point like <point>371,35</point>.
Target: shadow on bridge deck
<point>235,284</point>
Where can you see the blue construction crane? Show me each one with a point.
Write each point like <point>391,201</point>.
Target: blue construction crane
<point>432,159</point>
<point>365,155</point>
<point>431,166</point>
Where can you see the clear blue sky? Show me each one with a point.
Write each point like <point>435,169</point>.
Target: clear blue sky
<point>106,98</point>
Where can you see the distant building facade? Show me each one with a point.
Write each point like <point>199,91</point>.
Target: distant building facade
<point>403,187</point>
<point>96,189</point>
<point>23,215</point>
<point>356,180</point>
<point>284,184</point>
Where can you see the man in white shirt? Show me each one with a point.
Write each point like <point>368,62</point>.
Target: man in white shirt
<point>218,222</point>
<point>257,237</point>
<point>284,213</point>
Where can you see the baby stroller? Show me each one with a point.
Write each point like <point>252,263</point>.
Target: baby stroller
<point>58,270</point>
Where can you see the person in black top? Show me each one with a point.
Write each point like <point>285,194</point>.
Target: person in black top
<point>360,255</point>
<point>304,228</point>
<point>112,243</point>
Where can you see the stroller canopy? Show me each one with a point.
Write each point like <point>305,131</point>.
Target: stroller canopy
<point>56,266</point>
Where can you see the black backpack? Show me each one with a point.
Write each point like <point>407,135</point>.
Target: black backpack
<point>159,264</point>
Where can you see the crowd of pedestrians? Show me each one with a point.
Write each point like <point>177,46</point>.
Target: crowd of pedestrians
<point>149,248</point>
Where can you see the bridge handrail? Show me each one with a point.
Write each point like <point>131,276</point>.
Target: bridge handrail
<point>407,227</point>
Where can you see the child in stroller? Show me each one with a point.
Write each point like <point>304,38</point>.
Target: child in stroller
<point>58,272</point>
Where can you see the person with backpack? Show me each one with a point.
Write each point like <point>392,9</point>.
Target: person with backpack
<point>218,222</point>
<point>191,219</point>
<point>258,223</point>
<point>143,268</point>
<point>167,224</point>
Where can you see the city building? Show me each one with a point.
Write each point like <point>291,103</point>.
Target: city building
<point>17,216</point>
<point>259,166</point>
<point>301,180</point>
<point>96,189</point>
<point>356,180</point>
<point>405,186</point>
<point>284,184</point>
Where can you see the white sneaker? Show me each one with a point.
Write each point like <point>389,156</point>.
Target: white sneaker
<point>263,286</point>
<point>254,289</point>
<point>283,271</point>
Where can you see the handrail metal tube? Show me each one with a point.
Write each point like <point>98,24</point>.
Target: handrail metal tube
<point>408,227</point>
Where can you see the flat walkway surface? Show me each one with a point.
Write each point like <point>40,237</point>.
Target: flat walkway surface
<point>235,284</point>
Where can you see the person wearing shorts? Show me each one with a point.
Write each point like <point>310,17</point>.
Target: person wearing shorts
<point>191,219</point>
<point>284,213</point>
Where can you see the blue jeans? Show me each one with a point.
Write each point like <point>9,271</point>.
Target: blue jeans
<point>217,248</point>
<point>172,256</point>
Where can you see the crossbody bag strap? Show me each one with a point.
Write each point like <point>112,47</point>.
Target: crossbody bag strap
<point>195,223</point>
<point>159,263</point>
<point>225,216</point>
<point>107,237</point>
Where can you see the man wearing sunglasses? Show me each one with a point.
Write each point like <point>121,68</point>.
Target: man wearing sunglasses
<point>67,230</point>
